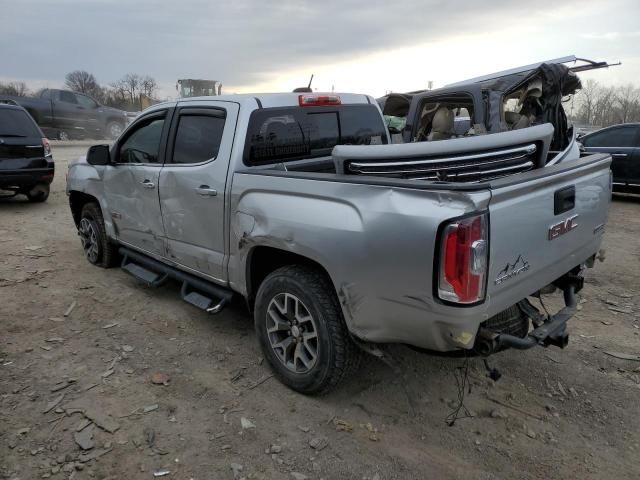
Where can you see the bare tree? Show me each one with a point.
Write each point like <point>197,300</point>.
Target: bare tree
<point>131,84</point>
<point>81,81</point>
<point>628,98</point>
<point>148,86</point>
<point>18,89</point>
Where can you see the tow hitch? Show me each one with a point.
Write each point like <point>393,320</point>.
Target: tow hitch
<point>552,331</point>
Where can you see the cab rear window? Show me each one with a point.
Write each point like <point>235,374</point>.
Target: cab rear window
<point>294,133</point>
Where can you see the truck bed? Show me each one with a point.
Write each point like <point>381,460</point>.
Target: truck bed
<point>396,220</point>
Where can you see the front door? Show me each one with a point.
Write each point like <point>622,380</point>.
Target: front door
<point>620,142</point>
<point>192,185</point>
<point>131,183</point>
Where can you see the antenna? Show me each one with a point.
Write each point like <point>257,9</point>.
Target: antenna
<point>310,80</point>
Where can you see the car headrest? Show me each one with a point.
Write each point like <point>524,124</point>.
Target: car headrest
<point>442,121</point>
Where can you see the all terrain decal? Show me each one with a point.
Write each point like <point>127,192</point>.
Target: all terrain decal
<point>512,269</point>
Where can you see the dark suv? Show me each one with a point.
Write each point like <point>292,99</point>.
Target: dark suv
<point>26,164</point>
<point>623,143</point>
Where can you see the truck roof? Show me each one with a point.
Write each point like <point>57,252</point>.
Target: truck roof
<point>267,100</point>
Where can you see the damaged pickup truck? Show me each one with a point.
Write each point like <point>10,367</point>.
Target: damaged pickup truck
<point>300,204</point>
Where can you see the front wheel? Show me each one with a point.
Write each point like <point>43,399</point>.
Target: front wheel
<point>93,237</point>
<point>301,330</point>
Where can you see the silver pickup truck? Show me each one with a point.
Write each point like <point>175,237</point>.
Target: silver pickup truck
<point>338,240</point>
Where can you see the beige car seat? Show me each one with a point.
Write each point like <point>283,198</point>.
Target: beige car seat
<point>442,125</point>
<point>516,121</point>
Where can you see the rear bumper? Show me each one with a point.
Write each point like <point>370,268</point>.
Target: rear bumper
<point>551,332</point>
<point>23,178</point>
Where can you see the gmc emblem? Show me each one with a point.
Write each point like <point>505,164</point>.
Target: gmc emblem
<point>563,227</point>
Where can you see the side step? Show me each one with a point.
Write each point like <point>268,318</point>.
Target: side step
<point>198,292</point>
<point>203,302</point>
<point>153,279</point>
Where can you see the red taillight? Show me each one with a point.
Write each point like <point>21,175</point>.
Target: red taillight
<point>312,100</point>
<point>463,260</point>
<point>47,147</point>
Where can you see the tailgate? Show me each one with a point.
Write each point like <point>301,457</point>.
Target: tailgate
<point>543,223</point>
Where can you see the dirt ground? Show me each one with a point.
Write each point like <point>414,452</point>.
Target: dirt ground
<point>217,414</point>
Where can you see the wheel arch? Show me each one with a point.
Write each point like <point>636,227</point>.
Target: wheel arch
<point>262,260</point>
<point>77,201</point>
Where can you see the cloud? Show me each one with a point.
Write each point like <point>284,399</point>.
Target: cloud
<point>245,43</point>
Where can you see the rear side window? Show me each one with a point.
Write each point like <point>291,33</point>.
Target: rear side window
<point>283,134</point>
<point>17,123</point>
<point>613,137</point>
<point>198,138</point>
<point>67,97</point>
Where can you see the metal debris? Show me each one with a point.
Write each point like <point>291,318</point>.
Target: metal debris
<point>70,309</point>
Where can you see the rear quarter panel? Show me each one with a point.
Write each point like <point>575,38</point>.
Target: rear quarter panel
<point>377,244</point>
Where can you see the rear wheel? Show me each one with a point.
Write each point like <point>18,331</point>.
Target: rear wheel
<point>114,129</point>
<point>302,332</point>
<point>39,193</point>
<point>93,237</point>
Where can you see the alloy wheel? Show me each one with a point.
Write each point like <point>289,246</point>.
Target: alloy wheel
<point>292,332</point>
<point>89,239</point>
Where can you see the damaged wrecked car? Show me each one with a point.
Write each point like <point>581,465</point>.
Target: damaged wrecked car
<point>500,102</point>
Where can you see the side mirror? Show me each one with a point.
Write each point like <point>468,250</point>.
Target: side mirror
<point>98,155</point>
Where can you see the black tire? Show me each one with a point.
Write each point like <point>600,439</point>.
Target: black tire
<point>106,254</point>
<point>38,194</point>
<point>114,129</point>
<point>336,353</point>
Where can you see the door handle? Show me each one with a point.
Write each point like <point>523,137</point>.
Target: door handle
<point>148,184</point>
<point>206,191</point>
<point>619,155</point>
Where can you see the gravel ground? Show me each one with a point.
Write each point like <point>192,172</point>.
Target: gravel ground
<point>78,398</point>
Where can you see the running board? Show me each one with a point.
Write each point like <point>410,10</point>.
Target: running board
<point>149,277</point>
<point>203,302</point>
<point>198,292</point>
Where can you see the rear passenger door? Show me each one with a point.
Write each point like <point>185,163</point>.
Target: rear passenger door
<point>192,185</point>
<point>68,110</point>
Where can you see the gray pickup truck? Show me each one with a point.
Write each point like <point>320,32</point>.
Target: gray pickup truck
<point>336,239</point>
<point>63,114</point>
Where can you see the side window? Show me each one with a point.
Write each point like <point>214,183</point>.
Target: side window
<point>142,144</point>
<point>613,137</point>
<point>46,94</point>
<point>87,102</point>
<point>198,138</point>
<point>68,97</point>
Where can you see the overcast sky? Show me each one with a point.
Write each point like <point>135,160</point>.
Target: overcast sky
<point>355,45</point>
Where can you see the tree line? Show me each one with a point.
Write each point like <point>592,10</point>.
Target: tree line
<point>600,105</point>
<point>126,93</point>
